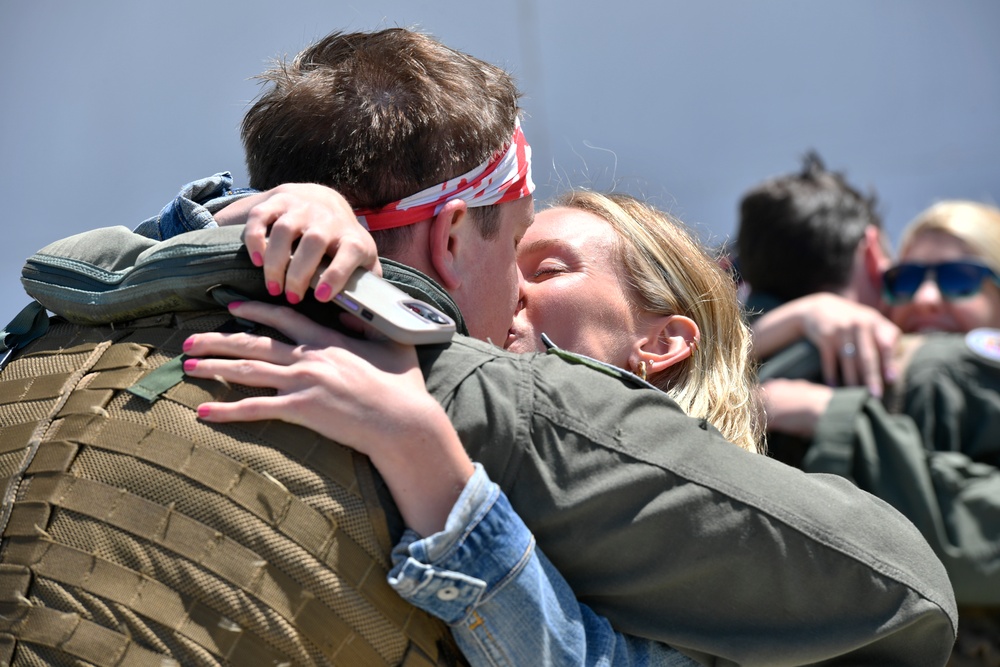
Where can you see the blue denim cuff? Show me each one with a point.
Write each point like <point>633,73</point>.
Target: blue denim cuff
<point>193,207</point>
<point>484,545</point>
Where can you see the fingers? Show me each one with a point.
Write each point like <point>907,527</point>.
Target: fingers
<point>285,230</point>
<point>887,339</point>
<point>249,372</point>
<point>309,254</point>
<point>351,252</point>
<point>245,410</point>
<point>240,346</point>
<point>829,363</point>
<point>848,362</point>
<point>869,363</point>
<point>295,228</point>
<point>288,321</point>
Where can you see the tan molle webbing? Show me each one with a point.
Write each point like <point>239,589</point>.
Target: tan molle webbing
<point>133,533</point>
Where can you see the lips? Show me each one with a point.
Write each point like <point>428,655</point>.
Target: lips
<point>928,325</point>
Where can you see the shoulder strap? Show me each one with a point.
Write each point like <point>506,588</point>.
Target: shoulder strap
<point>26,326</point>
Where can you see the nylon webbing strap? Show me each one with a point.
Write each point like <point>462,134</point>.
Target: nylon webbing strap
<point>73,634</point>
<point>122,355</point>
<point>158,381</point>
<point>296,441</point>
<point>171,373</point>
<point>315,532</point>
<point>143,595</point>
<point>35,440</point>
<point>14,437</point>
<point>26,326</point>
<point>200,544</point>
<point>33,388</point>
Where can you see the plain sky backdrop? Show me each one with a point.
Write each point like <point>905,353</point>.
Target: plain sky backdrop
<point>109,107</point>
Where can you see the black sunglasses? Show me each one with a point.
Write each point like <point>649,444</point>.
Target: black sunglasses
<point>955,280</point>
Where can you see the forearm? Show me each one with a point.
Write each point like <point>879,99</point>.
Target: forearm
<point>778,328</point>
<point>425,469</point>
<point>505,602</point>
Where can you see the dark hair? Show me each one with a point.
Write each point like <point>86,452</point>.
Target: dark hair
<point>798,233</point>
<point>379,116</point>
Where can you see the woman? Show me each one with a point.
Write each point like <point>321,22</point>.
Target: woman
<point>946,279</point>
<point>604,276</point>
<point>667,312</point>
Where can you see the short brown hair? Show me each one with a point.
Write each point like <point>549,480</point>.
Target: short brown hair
<point>378,116</point>
<point>799,233</point>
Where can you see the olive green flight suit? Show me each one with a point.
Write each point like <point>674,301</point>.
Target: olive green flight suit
<point>932,450</point>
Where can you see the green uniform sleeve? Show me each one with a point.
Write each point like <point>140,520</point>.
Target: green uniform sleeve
<point>953,396</point>
<point>937,463</point>
<point>677,535</point>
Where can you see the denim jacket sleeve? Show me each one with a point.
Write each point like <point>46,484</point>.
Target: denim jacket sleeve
<point>506,604</point>
<point>193,207</point>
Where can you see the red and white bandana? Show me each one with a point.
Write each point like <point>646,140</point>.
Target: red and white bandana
<point>504,177</point>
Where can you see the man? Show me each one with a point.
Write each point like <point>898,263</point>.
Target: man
<point>656,521</point>
<point>829,239</point>
<point>929,448</point>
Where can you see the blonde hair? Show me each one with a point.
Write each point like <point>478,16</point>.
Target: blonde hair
<point>668,272</point>
<point>975,224</point>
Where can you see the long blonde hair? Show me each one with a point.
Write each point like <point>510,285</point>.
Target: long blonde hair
<point>668,272</point>
<point>975,224</point>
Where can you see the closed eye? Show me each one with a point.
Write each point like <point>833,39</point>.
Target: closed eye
<point>549,268</point>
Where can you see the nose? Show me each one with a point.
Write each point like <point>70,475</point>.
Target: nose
<point>928,294</point>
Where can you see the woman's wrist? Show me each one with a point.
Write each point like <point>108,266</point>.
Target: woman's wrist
<point>425,469</point>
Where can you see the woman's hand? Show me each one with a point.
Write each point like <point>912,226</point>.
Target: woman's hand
<point>368,395</point>
<point>293,228</point>
<point>851,337</point>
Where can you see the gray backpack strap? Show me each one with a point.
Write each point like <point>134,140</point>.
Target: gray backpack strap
<point>26,326</point>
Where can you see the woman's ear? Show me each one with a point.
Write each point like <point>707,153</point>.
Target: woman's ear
<point>445,241</point>
<point>668,339</point>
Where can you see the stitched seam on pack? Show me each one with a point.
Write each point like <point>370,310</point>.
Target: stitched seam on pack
<point>216,553</point>
<point>147,597</point>
<point>36,437</point>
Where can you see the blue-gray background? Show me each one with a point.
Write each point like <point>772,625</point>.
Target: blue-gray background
<point>109,107</point>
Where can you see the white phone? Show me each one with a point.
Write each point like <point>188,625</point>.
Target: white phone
<point>392,311</point>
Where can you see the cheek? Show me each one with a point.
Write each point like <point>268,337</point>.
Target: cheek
<point>982,310</point>
<point>898,313</point>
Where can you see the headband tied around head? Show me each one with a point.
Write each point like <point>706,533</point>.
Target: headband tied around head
<point>504,177</point>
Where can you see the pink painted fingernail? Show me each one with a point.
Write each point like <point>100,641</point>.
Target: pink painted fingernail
<point>189,364</point>
<point>257,259</point>
<point>273,288</point>
<point>292,297</point>
<point>203,411</point>
<point>234,304</point>
<point>323,292</point>
<point>188,343</point>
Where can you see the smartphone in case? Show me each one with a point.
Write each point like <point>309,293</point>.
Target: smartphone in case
<point>392,311</point>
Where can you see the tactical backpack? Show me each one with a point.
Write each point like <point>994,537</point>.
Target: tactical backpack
<point>133,533</point>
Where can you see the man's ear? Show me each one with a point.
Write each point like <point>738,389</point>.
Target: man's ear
<point>667,340</point>
<point>445,240</point>
<point>877,258</point>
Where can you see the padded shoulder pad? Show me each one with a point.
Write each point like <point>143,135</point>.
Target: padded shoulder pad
<point>112,275</point>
